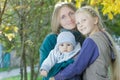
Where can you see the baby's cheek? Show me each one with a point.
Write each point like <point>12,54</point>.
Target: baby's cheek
<point>70,48</point>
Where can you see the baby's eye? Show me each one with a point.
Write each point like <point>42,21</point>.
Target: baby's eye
<point>68,44</point>
<point>61,45</point>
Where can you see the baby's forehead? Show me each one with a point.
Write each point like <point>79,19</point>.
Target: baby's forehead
<point>66,43</point>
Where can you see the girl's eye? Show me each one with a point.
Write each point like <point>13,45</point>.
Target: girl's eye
<point>78,23</point>
<point>84,20</point>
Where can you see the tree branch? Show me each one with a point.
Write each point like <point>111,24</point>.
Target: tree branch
<point>2,11</point>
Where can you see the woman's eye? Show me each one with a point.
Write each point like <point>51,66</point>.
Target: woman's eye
<point>71,13</point>
<point>63,17</point>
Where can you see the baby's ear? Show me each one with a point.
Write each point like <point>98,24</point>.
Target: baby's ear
<point>96,20</point>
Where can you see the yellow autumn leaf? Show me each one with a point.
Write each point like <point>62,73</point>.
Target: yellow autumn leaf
<point>99,1</point>
<point>65,0</point>
<point>110,15</point>
<point>59,1</point>
<point>7,28</point>
<point>104,11</point>
<point>117,6</point>
<point>69,0</point>
<point>10,36</point>
<point>15,29</point>
<point>78,3</point>
<point>2,0</point>
<point>20,7</point>
<point>92,2</point>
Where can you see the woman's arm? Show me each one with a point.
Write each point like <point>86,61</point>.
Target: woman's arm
<point>47,45</point>
<point>88,54</point>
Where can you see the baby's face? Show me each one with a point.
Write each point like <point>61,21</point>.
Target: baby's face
<point>65,47</point>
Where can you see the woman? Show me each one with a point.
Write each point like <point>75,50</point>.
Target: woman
<point>63,19</point>
<point>98,58</point>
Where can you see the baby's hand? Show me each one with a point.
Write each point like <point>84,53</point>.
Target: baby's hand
<point>43,73</point>
<point>52,78</point>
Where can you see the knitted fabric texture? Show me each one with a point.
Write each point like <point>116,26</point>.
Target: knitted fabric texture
<point>66,37</point>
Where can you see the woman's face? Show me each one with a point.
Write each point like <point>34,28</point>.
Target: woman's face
<point>85,23</point>
<point>67,18</point>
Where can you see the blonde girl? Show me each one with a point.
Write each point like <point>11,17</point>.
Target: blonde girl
<point>98,58</point>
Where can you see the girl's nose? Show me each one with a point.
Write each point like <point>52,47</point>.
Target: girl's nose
<point>80,25</point>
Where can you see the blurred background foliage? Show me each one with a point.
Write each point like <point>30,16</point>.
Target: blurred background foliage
<point>36,15</point>
<point>25,23</point>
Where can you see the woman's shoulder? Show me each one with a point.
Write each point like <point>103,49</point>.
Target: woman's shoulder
<point>49,41</point>
<point>51,36</point>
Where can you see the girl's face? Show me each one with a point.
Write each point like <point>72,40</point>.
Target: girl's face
<point>67,18</point>
<point>65,47</point>
<point>86,24</point>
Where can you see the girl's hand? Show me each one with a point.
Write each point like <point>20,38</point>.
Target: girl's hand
<point>43,73</point>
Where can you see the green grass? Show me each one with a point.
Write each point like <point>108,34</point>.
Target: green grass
<point>4,69</point>
<point>18,78</point>
<point>7,69</point>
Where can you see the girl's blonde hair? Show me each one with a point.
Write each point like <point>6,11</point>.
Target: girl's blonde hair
<point>55,23</point>
<point>115,65</point>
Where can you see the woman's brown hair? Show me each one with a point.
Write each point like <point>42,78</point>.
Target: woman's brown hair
<point>55,23</point>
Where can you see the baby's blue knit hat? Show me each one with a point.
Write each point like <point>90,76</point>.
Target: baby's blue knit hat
<point>66,36</point>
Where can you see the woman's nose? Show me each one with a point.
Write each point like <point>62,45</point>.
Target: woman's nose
<point>69,18</point>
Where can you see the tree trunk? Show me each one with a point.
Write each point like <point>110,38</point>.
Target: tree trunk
<point>23,56</point>
<point>32,68</point>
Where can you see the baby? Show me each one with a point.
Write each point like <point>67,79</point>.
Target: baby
<point>65,49</point>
